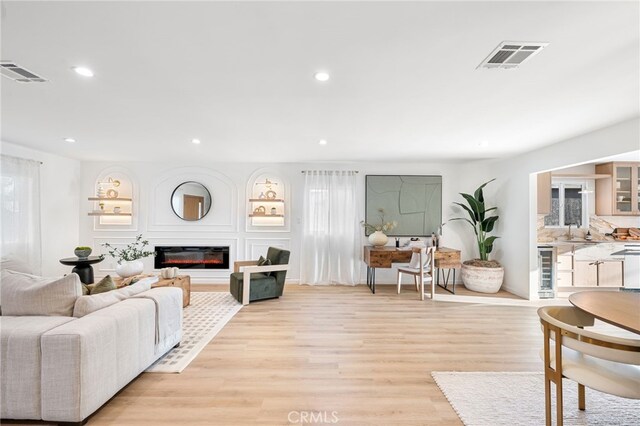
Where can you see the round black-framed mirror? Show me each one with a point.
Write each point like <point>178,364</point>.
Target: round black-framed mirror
<point>191,201</point>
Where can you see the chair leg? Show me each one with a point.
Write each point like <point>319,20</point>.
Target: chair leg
<point>581,404</point>
<point>415,282</point>
<point>433,289</point>
<point>399,281</point>
<point>559,412</point>
<point>547,399</point>
<point>421,279</point>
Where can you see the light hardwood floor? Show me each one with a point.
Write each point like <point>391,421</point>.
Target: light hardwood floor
<point>324,349</point>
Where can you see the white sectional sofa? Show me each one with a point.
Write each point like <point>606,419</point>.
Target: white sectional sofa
<point>63,355</point>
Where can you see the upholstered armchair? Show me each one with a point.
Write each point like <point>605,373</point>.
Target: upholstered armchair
<point>251,282</point>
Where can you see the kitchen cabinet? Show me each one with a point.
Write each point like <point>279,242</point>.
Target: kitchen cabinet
<point>586,274</point>
<point>564,269</point>
<point>610,273</point>
<point>544,193</point>
<point>620,194</point>
<point>592,265</point>
<point>599,273</point>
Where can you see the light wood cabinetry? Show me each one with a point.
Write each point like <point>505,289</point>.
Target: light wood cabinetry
<point>610,274</point>
<point>599,273</point>
<point>564,270</point>
<point>575,271</point>
<point>544,193</point>
<point>620,194</point>
<point>586,274</point>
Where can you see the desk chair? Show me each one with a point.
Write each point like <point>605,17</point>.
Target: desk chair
<point>605,363</point>
<point>421,268</point>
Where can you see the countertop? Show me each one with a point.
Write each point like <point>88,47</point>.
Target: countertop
<point>554,243</point>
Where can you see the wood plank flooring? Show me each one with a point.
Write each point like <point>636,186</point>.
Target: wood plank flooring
<point>366,357</point>
<point>324,349</point>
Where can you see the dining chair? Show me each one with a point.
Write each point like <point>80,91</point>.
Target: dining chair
<point>421,268</point>
<point>604,363</point>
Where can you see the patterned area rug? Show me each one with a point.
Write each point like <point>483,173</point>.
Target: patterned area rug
<point>517,399</point>
<point>203,319</point>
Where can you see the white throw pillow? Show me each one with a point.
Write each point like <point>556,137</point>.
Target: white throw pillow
<point>24,294</point>
<point>91,303</point>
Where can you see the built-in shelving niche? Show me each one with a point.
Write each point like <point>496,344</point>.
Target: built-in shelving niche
<point>268,203</point>
<point>113,200</point>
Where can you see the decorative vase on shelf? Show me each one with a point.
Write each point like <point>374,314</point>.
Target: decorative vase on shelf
<point>378,238</point>
<point>130,268</point>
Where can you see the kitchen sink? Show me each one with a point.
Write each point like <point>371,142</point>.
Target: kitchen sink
<point>577,241</point>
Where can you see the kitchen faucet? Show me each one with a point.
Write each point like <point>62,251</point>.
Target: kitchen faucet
<point>569,236</point>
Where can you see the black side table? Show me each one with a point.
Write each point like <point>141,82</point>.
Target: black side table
<point>82,266</point>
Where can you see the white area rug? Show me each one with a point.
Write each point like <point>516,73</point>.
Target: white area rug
<point>517,399</point>
<point>203,319</point>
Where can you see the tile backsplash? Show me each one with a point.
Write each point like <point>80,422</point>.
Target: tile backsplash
<point>598,225</point>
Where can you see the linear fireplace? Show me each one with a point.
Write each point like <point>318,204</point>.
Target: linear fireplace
<point>190,257</point>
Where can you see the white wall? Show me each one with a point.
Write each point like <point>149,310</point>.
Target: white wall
<point>226,223</point>
<point>515,194</point>
<point>59,204</point>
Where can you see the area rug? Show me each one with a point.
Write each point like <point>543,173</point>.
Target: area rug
<point>517,399</point>
<point>203,319</point>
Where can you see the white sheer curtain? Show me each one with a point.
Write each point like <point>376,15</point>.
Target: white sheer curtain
<point>20,211</point>
<point>331,236</point>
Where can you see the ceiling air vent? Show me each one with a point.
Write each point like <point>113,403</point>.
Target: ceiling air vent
<point>17,73</point>
<point>510,54</point>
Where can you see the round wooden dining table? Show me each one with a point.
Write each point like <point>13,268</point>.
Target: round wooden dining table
<point>620,308</point>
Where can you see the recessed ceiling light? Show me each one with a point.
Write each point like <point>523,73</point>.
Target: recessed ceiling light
<point>83,71</point>
<point>322,76</point>
<point>322,141</point>
<point>70,140</point>
<point>195,141</point>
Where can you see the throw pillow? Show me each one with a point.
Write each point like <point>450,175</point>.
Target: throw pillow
<point>86,304</point>
<point>25,294</point>
<point>264,262</point>
<point>104,285</point>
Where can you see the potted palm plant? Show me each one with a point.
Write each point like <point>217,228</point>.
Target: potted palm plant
<point>481,275</point>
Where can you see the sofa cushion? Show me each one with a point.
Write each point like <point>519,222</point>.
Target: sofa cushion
<point>86,304</point>
<point>102,286</point>
<point>11,264</point>
<point>24,294</point>
<point>20,361</point>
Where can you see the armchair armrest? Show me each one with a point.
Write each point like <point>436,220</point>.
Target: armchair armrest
<point>240,263</point>
<point>246,277</point>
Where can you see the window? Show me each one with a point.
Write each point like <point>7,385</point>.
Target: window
<point>568,205</point>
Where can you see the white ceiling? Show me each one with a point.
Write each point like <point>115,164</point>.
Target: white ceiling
<point>239,76</point>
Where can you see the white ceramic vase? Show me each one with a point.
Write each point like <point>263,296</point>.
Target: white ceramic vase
<point>482,280</point>
<point>130,268</point>
<point>378,238</point>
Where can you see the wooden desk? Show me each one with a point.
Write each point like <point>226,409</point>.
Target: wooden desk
<point>620,308</point>
<point>385,257</point>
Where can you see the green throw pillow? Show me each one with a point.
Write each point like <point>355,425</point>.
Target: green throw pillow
<point>264,262</point>
<point>104,285</point>
<point>85,289</point>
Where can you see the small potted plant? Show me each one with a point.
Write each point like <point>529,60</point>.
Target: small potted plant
<point>378,236</point>
<point>481,275</point>
<point>129,258</point>
<point>82,252</point>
